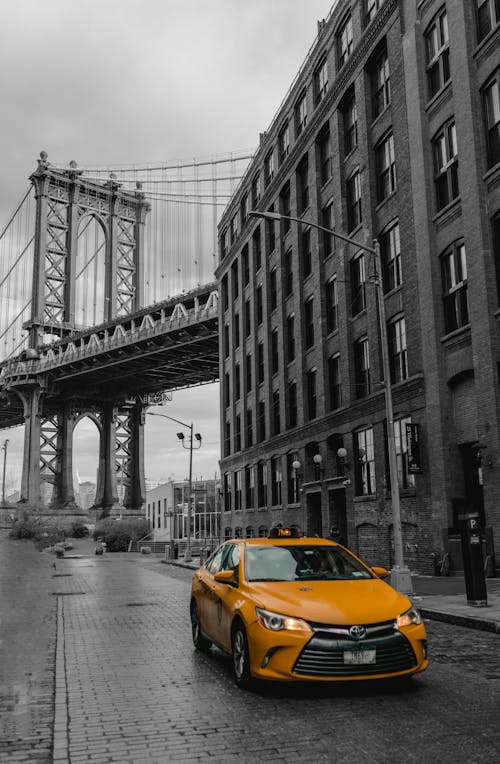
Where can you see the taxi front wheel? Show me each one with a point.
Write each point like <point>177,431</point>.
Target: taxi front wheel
<point>199,641</point>
<point>241,657</point>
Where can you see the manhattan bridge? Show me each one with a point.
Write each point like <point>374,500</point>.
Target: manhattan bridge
<point>107,302</point>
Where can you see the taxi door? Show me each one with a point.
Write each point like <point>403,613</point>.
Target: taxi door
<point>206,595</point>
<point>226,596</point>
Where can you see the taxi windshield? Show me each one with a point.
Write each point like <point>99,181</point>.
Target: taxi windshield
<point>301,563</point>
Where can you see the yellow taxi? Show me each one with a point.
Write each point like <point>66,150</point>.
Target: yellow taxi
<point>293,608</point>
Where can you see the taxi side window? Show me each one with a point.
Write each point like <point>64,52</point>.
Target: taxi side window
<point>231,559</point>
<point>213,565</point>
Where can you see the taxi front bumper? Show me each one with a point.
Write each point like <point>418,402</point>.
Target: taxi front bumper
<point>325,656</point>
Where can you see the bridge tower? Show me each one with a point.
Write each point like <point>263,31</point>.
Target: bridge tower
<point>88,270</point>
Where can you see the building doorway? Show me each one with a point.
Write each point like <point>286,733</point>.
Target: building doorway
<point>337,512</point>
<point>314,521</point>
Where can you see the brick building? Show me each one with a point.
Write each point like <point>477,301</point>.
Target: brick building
<point>391,129</point>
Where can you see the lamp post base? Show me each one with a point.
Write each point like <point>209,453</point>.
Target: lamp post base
<point>400,579</point>
<point>187,556</point>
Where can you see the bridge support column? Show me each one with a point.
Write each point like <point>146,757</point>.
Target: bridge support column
<point>64,496</point>
<point>135,493</point>
<point>106,500</point>
<point>30,481</point>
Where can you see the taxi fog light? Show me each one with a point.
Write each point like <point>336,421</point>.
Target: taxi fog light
<point>412,616</point>
<point>278,622</point>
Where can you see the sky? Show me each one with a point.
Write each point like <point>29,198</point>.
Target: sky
<point>121,82</point>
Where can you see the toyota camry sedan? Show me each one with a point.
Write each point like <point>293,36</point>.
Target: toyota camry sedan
<point>293,608</point>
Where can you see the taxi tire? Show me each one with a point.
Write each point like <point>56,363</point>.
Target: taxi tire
<point>241,656</point>
<point>199,641</point>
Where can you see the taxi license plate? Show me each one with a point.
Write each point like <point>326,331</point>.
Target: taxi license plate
<point>360,657</point>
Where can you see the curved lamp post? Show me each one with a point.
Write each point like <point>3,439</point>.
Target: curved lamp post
<point>180,435</point>
<point>400,574</point>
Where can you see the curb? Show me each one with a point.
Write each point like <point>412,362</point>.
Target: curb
<point>461,620</point>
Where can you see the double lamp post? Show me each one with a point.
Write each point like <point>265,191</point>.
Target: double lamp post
<point>400,573</point>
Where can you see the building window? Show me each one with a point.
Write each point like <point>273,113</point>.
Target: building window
<point>261,420</point>
<point>303,185</point>
<point>249,486</point>
<point>344,41</point>
<point>245,260</point>
<point>257,248</point>
<point>324,147</point>
<point>233,228</point>
<point>320,81</point>
<point>256,190</point>
<point>273,289</point>
<point>274,351</point>
<point>386,168</point>
<point>398,355</point>
<point>332,306</point>
<point>284,142</point>
<point>300,114</point>
<point>405,478</point>
<point>309,322</point>
<point>248,319</point>
<point>226,340</point>
<point>235,280</point>
<point>372,7</point>
<point>288,285</point>
<point>454,275</point>
<point>491,100</point>
<point>276,413</point>
<point>353,193</point>
<point>361,368</point>
<point>244,208</point>
<point>248,367</point>
<point>236,326</point>
<point>223,243</point>
<point>305,242</point>
<point>290,338</point>
<point>271,232</point>
<point>438,53</point>
<point>390,252</point>
<point>227,390</point>
<point>381,85</point>
<point>262,484</point>
<point>364,477</point>
<point>495,233</point>
<point>445,165</point>
<point>358,284</point>
<point>227,438</point>
<point>292,403</point>
<point>260,362</point>
<point>237,489</point>
<point>227,492</point>
<point>237,433</point>
<point>350,119</point>
<point>269,167</point>
<point>334,382</point>
<point>327,222</point>
<point>488,16</point>
<point>249,427</point>
<point>237,385</point>
<point>260,314</point>
<point>285,206</point>
<point>276,480</point>
<point>225,295</point>
<point>312,412</point>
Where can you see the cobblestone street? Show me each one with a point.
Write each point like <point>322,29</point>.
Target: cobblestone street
<point>130,688</point>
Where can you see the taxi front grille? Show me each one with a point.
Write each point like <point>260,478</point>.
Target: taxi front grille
<point>323,656</point>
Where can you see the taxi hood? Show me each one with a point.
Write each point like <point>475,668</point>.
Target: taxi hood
<point>334,602</point>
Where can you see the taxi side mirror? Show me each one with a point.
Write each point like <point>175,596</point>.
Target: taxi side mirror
<point>225,577</point>
<point>380,572</point>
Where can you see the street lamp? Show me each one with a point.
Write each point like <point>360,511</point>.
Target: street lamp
<point>296,465</point>
<point>400,573</point>
<point>4,469</point>
<point>180,435</point>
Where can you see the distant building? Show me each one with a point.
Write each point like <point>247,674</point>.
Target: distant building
<point>86,494</point>
<point>391,129</point>
<point>167,510</point>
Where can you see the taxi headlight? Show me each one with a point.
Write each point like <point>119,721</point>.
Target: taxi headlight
<point>278,622</point>
<point>412,616</point>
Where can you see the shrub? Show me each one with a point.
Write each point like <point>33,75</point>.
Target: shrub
<point>117,534</point>
<point>78,530</point>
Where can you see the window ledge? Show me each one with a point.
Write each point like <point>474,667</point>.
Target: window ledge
<point>385,200</point>
<point>447,212</point>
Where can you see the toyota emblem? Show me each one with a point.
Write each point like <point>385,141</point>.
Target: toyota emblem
<point>357,632</point>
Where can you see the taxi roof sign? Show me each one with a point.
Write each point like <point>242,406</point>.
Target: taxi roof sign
<point>283,533</point>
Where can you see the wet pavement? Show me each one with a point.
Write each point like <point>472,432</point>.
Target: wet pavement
<point>83,641</point>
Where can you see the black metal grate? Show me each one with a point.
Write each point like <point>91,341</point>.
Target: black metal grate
<point>324,656</point>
